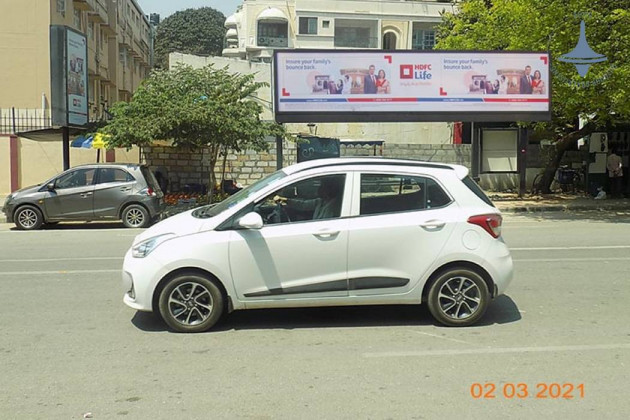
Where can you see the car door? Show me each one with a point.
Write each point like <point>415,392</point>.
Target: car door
<point>73,195</point>
<point>402,224</point>
<point>296,257</point>
<point>113,187</point>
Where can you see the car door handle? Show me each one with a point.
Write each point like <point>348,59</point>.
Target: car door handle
<point>86,195</point>
<point>326,233</point>
<point>432,224</point>
<point>125,189</point>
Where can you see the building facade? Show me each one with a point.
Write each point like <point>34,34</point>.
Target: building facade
<point>260,26</point>
<point>119,58</point>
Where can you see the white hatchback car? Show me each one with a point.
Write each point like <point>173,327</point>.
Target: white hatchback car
<point>349,231</point>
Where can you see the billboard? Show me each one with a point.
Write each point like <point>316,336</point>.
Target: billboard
<point>69,74</point>
<point>364,86</point>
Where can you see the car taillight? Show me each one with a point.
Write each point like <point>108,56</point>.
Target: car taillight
<point>491,223</point>
<point>148,191</point>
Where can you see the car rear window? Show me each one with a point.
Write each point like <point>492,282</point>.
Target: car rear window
<point>472,185</point>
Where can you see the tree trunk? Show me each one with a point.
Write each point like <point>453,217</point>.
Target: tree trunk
<point>561,146</point>
<point>212,180</point>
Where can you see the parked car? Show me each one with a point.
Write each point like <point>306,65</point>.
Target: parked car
<point>324,233</point>
<point>128,192</point>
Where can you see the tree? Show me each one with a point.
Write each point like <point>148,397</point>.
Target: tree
<point>600,99</point>
<point>198,108</point>
<point>191,31</point>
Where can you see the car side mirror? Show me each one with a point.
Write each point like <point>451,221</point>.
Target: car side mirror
<point>51,186</point>
<point>251,220</point>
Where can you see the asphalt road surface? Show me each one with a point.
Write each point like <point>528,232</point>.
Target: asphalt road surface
<point>70,348</point>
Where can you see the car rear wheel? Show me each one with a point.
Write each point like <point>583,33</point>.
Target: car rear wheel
<point>458,297</point>
<point>191,303</point>
<point>28,218</point>
<point>135,216</point>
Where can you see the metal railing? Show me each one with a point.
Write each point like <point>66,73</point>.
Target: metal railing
<point>16,120</point>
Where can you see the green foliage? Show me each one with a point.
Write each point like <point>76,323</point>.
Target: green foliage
<point>599,99</point>
<point>553,25</point>
<point>191,31</point>
<point>198,108</point>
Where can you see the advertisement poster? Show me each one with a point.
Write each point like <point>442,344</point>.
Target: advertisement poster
<point>440,83</point>
<point>76,56</point>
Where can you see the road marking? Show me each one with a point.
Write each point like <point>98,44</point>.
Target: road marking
<point>600,259</point>
<point>21,273</point>
<point>444,338</point>
<point>62,259</point>
<point>570,248</point>
<point>500,350</point>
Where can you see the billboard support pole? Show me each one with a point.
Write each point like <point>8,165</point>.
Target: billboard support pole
<point>475,152</point>
<point>523,140</point>
<point>279,157</point>
<point>66,147</point>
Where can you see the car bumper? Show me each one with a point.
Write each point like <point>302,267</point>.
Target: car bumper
<point>140,277</point>
<point>500,267</point>
<point>8,212</point>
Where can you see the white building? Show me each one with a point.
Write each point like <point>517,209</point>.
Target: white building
<point>260,26</point>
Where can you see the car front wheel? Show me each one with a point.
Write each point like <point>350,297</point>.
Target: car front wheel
<point>135,216</point>
<point>191,303</point>
<point>458,297</point>
<point>28,218</point>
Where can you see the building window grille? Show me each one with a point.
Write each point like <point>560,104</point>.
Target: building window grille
<point>423,39</point>
<point>273,34</point>
<point>308,26</point>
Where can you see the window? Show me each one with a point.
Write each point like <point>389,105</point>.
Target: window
<point>397,193</point>
<point>316,198</point>
<point>325,24</point>
<point>308,26</point>
<point>273,34</point>
<point>423,37</point>
<point>77,19</point>
<point>91,30</point>
<point>74,179</point>
<point>356,33</point>
<point>61,7</point>
<point>107,175</point>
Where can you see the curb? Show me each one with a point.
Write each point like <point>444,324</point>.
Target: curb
<point>539,209</point>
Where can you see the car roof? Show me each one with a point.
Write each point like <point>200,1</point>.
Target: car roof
<point>109,165</point>
<point>461,171</point>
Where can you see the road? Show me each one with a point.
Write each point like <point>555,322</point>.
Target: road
<point>68,345</point>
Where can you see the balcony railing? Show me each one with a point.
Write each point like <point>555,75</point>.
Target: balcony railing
<point>369,42</point>
<point>17,120</point>
<point>270,41</point>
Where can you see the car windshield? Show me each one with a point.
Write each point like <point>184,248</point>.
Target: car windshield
<point>214,209</point>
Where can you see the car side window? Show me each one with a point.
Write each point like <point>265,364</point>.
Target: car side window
<point>390,193</point>
<point>317,198</point>
<point>76,178</point>
<point>107,175</point>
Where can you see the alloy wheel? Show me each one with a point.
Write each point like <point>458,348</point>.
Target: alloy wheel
<point>135,217</point>
<point>190,303</point>
<point>459,298</point>
<point>27,218</point>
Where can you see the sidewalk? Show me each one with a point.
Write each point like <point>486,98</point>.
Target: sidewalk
<point>511,203</point>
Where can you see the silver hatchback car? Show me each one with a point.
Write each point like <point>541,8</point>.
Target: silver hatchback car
<point>127,192</point>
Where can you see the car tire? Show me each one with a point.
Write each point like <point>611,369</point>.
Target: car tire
<point>191,303</point>
<point>28,218</point>
<point>136,216</point>
<point>458,297</point>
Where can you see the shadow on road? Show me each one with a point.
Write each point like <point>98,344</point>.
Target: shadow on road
<point>502,310</point>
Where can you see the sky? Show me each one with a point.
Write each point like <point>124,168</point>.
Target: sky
<point>168,7</point>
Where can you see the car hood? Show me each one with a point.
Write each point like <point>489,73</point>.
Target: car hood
<point>180,224</point>
<point>27,190</point>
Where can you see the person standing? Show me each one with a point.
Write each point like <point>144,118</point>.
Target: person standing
<point>526,81</point>
<point>615,173</point>
<point>370,81</point>
<point>382,84</point>
<point>538,86</point>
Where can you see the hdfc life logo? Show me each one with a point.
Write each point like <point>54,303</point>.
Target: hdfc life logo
<point>416,71</point>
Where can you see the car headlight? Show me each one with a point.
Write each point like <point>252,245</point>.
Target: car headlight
<point>145,247</point>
